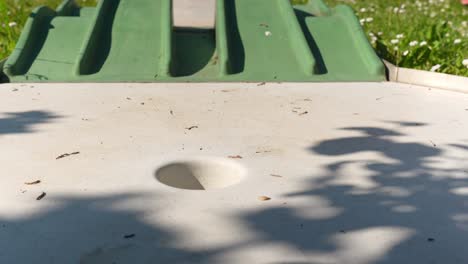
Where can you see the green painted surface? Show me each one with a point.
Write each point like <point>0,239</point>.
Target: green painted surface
<point>134,41</point>
<point>131,38</point>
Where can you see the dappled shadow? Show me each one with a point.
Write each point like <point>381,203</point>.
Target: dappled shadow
<point>400,206</point>
<point>460,146</point>
<point>24,122</point>
<point>92,230</point>
<point>380,197</point>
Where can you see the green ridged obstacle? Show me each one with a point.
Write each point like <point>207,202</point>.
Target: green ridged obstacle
<point>135,41</point>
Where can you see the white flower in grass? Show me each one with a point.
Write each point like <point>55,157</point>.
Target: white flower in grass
<point>12,24</point>
<point>399,36</point>
<point>395,10</point>
<point>457,41</point>
<point>464,23</point>
<point>369,19</point>
<point>423,43</point>
<point>362,10</point>
<point>380,33</point>
<point>402,11</point>
<point>394,41</point>
<point>395,48</point>
<point>413,43</point>
<point>406,52</point>
<point>435,67</point>
<point>465,62</point>
<point>362,21</point>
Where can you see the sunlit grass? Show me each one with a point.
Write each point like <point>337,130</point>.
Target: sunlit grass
<point>420,34</point>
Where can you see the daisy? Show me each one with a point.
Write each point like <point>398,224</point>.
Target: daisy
<point>435,67</point>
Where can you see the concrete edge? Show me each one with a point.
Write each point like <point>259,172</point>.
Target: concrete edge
<point>425,78</point>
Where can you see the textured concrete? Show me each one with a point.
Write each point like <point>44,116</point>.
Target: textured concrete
<point>426,78</point>
<point>194,13</point>
<point>331,173</point>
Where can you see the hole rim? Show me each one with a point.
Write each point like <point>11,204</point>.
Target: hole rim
<point>201,175</point>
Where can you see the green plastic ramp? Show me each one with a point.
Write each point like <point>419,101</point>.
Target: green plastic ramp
<point>135,41</point>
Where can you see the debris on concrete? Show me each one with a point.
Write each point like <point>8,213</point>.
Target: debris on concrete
<point>129,236</point>
<point>43,194</point>
<point>276,175</point>
<point>263,151</point>
<point>33,182</point>
<point>67,154</point>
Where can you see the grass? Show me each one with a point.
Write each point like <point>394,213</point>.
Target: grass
<point>421,34</point>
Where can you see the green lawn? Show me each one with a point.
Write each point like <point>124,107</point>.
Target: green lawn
<point>421,34</point>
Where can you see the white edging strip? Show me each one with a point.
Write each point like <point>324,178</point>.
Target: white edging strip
<point>426,78</point>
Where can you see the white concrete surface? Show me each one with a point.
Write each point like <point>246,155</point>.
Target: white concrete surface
<point>194,13</point>
<point>355,173</point>
<point>426,78</point>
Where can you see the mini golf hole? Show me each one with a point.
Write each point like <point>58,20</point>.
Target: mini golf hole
<point>201,174</point>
